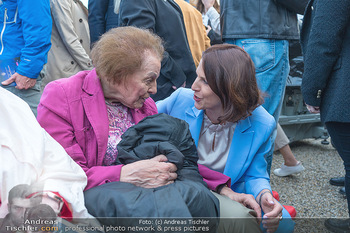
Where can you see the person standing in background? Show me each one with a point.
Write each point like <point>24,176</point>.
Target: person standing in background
<point>263,28</point>
<point>210,10</point>
<point>325,37</point>
<point>195,30</point>
<point>70,40</point>
<point>101,18</point>
<point>290,165</point>
<point>165,19</point>
<point>25,38</point>
<point>210,13</point>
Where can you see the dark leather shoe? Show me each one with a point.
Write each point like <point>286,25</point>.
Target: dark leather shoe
<point>337,181</point>
<point>338,225</point>
<point>342,191</point>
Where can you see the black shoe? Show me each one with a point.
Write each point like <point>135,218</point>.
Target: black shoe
<point>337,181</point>
<point>338,225</point>
<point>342,191</point>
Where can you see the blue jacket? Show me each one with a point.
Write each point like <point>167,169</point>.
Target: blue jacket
<point>26,33</point>
<point>101,18</point>
<point>251,141</point>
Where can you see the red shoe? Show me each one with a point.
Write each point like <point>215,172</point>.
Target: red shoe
<point>291,210</point>
<point>276,195</point>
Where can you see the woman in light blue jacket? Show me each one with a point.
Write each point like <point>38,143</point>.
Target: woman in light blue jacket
<point>224,106</point>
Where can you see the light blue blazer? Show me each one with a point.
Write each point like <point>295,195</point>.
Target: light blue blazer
<point>246,165</point>
<point>251,140</point>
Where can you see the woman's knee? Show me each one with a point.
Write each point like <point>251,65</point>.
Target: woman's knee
<point>234,217</point>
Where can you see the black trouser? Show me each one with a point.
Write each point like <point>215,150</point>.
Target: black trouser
<point>340,134</point>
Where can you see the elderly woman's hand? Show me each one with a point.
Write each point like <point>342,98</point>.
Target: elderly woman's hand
<point>150,173</point>
<point>245,199</point>
<point>272,210</point>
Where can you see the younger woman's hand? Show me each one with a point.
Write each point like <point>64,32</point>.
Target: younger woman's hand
<point>245,199</point>
<point>273,212</point>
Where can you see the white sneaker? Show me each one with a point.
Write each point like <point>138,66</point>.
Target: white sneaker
<point>289,170</point>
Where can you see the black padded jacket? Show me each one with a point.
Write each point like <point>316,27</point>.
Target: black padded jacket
<point>187,197</point>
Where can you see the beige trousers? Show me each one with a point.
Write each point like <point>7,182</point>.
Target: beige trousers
<point>234,217</point>
<point>281,138</point>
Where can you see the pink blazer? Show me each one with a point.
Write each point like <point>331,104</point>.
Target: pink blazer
<point>73,111</point>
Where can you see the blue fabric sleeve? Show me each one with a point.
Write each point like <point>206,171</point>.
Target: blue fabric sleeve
<point>36,28</point>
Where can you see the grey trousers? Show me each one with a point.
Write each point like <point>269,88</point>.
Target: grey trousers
<point>31,96</point>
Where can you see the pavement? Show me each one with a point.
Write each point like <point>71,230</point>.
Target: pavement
<point>309,191</point>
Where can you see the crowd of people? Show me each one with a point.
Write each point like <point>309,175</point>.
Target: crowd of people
<point>161,108</point>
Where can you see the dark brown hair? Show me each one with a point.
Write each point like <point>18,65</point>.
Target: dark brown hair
<point>230,73</point>
<point>120,52</point>
<point>201,9</point>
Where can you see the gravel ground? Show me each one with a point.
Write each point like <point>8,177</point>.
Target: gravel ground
<point>309,191</point>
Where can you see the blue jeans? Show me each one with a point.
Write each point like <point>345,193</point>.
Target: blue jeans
<point>271,60</point>
<point>340,134</point>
